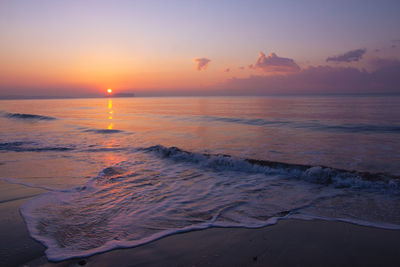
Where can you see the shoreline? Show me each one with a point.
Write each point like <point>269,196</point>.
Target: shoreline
<point>289,242</point>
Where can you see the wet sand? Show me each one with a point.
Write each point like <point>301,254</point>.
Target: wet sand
<point>288,243</point>
<point>16,246</point>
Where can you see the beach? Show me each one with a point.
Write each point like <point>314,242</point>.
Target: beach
<point>199,133</point>
<point>288,243</point>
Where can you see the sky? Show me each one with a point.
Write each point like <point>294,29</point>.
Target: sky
<point>81,48</point>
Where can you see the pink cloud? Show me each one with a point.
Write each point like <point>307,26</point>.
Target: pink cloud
<point>384,78</point>
<point>201,63</point>
<point>273,63</point>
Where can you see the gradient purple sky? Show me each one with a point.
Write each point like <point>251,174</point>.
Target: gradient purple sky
<point>80,48</point>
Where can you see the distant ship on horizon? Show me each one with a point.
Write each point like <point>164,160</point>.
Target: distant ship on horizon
<point>123,95</point>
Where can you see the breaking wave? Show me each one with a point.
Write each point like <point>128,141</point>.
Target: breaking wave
<point>146,198</point>
<point>314,174</point>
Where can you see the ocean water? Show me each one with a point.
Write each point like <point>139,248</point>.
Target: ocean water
<point>125,171</point>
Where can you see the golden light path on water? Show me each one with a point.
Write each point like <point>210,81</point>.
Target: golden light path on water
<point>110,112</point>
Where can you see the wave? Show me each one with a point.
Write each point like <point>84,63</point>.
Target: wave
<point>145,198</point>
<point>24,116</point>
<point>116,210</point>
<point>105,149</point>
<point>103,131</point>
<point>315,174</point>
<point>30,147</point>
<point>258,122</point>
<point>311,125</point>
<point>352,128</point>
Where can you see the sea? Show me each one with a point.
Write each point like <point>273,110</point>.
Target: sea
<point>121,172</point>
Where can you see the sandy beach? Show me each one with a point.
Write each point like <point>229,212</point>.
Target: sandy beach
<point>288,243</point>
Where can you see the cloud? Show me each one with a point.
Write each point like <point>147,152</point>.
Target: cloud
<point>353,55</point>
<point>383,78</point>
<point>273,63</point>
<point>201,63</point>
<point>227,70</point>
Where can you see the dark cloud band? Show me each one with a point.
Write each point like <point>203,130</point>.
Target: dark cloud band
<point>351,56</point>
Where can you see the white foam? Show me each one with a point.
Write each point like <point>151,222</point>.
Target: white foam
<point>314,174</point>
<point>133,204</point>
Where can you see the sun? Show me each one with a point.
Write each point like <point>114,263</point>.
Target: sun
<point>109,90</point>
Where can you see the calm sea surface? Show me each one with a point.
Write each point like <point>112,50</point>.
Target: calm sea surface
<point>124,171</point>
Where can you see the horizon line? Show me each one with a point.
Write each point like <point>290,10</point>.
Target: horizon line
<point>19,97</point>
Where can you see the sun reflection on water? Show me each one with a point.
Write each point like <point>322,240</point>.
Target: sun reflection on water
<point>110,112</point>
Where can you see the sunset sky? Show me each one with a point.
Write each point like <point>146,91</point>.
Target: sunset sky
<point>81,48</point>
